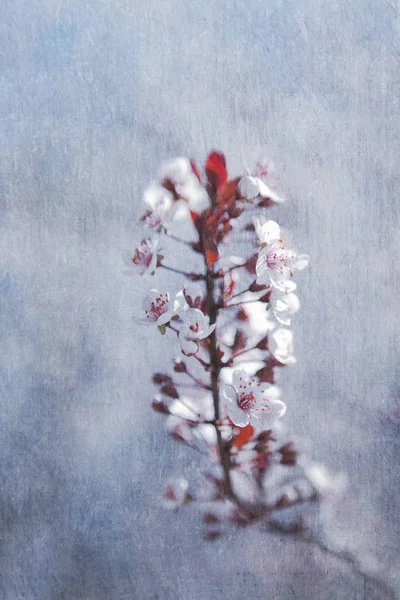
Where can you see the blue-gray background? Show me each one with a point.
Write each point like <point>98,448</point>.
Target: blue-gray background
<point>93,96</point>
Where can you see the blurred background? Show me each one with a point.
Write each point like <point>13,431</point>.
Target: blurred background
<point>94,96</point>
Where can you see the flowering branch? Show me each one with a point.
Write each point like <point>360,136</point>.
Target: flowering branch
<point>259,475</point>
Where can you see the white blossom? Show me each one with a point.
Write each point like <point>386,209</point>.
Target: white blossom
<point>247,400</point>
<point>143,259</point>
<point>251,187</point>
<point>275,260</point>
<point>180,172</point>
<point>159,308</point>
<point>280,343</point>
<point>260,182</point>
<point>161,206</point>
<point>195,326</point>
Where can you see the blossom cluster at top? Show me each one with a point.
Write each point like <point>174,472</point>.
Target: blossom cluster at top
<point>220,211</point>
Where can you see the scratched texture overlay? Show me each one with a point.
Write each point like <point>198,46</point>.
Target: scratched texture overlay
<point>94,95</point>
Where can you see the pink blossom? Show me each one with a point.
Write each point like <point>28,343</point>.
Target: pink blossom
<point>261,182</point>
<point>195,326</point>
<point>161,206</point>
<point>275,260</point>
<point>159,308</point>
<point>247,400</point>
<point>143,259</point>
<point>180,173</point>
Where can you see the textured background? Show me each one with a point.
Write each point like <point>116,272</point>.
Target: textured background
<point>93,96</point>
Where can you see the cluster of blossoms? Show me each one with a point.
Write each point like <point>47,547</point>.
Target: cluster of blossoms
<point>231,319</point>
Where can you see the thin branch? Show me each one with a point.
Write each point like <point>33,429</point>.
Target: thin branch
<point>242,352</point>
<point>202,385</point>
<point>239,294</point>
<point>177,239</point>
<point>193,386</point>
<point>174,270</point>
<point>242,302</point>
<point>203,363</point>
<point>352,561</point>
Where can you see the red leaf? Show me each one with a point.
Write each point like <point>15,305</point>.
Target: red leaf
<point>211,256</point>
<point>227,192</point>
<point>245,434</point>
<point>216,171</point>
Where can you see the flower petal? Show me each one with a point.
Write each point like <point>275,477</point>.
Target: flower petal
<point>188,347</point>
<point>249,187</point>
<point>268,232</point>
<point>301,262</point>
<point>238,416</point>
<point>266,192</point>
<point>228,392</point>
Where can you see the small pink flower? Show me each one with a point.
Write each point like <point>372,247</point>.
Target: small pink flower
<point>250,401</point>
<point>179,171</point>
<point>252,187</point>
<point>143,259</point>
<point>261,182</point>
<point>195,327</point>
<point>275,260</point>
<point>159,308</point>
